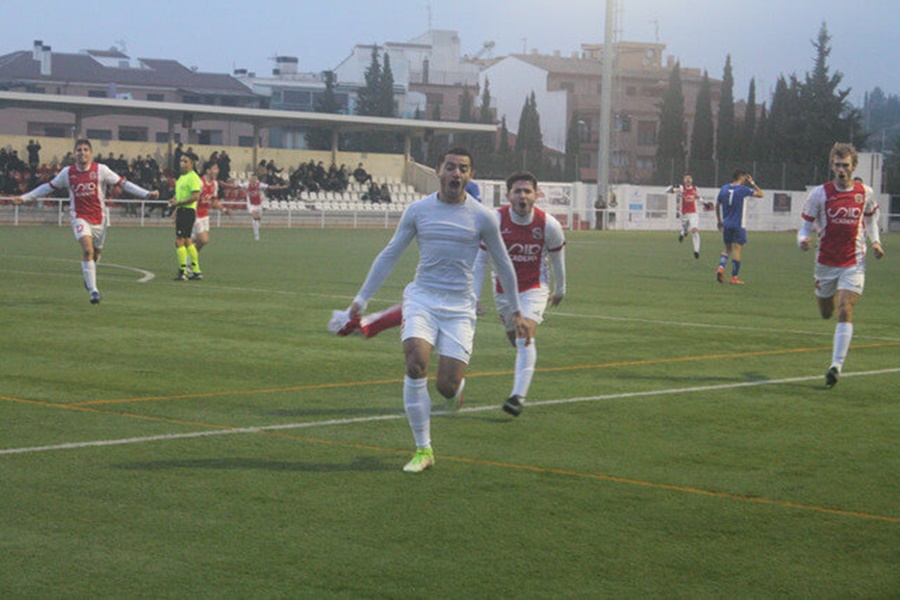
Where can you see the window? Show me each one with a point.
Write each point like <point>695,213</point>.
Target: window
<point>620,158</point>
<point>644,163</point>
<point>59,130</point>
<point>98,134</point>
<point>245,141</point>
<point>210,137</point>
<point>132,134</point>
<point>657,206</point>
<point>188,99</point>
<point>567,85</point>
<point>782,203</point>
<point>646,133</point>
<point>156,97</point>
<point>162,137</point>
<point>96,93</point>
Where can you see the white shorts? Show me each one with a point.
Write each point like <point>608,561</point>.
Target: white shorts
<point>82,228</point>
<point>201,225</point>
<point>690,221</point>
<point>533,303</point>
<point>831,279</point>
<point>254,208</point>
<point>449,328</point>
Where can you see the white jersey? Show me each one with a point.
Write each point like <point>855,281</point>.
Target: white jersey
<point>448,236</point>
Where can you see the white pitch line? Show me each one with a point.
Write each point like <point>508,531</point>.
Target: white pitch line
<point>393,417</point>
<point>710,325</point>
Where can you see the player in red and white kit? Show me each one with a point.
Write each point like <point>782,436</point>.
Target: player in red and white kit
<point>209,198</point>
<point>535,243</point>
<point>843,212</point>
<point>87,183</point>
<point>688,198</point>
<point>255,190</point>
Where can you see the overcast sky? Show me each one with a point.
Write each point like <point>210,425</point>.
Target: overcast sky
<point>767,38</point>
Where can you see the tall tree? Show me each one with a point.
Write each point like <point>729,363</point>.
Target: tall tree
<point>368,98</point>
<point>725,131</point>
<point>320,138</point>
<point>670,148</point>
<point>483,144</point>
<point>760,140</point>
<point>529,139</point>
<point>703,135</point>
<point>748,126</point>
<point>827,116</point>
<point>386,106</point>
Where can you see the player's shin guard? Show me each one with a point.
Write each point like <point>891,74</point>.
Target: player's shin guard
<point>526,358</point>
<point>417,403</point>
<point>843,334</point>
<point>735,268</point>
<point>695,238</point>
<point>89,272</point>
<point>372,325</point>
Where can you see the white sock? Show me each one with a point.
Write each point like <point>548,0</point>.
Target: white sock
<point>255,229</point>
<point>843,333</point>
<point>417,403</point>
<point>526,358</point>
<point>89,271</point>
<point>696,239</point>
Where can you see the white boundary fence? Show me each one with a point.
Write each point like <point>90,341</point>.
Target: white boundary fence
<point>632,208</point>
<point>650,208</point>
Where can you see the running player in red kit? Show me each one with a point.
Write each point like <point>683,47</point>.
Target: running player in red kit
<point>843,211</point>
<point>535,242</point>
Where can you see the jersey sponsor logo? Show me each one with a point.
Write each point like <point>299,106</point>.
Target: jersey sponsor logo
<point>524,249</point>
<point>83,189</point>
<point>844,215</point>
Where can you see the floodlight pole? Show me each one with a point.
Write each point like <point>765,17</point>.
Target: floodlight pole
<point>608,57</point>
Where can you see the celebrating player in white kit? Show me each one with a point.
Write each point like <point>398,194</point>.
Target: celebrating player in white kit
<point>439,305</point>
<point>535,242</point>
<point>87,183</point>
<point>843,212</point>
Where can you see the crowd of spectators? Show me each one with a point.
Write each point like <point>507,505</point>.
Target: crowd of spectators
<point>18,177</point>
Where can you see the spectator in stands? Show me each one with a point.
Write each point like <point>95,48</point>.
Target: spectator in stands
<point>224,166</point>
<point>360,175</point>
<point>177,156</point>
<point>384,194</point>
<point>374,193</point>
<point>34,155</point>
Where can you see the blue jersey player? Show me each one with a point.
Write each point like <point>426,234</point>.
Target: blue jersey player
<point>730,211</point>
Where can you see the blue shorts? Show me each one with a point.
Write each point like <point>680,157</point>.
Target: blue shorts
<point>734,235</point>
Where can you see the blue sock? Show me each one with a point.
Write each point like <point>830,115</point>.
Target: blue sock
<point>735,267</point>
<point>723,260</point>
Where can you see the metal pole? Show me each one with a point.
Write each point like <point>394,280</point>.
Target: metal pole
<point>608,58</point>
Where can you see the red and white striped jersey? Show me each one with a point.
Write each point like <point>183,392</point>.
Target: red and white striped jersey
<point>87,190</point>
<point>688,197</point>
<point>528,245</point>
<point>838,215</point>
<point>208,192</point>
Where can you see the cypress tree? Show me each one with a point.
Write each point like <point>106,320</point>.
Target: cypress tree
<point>725,142</point>
<point>670,149</point>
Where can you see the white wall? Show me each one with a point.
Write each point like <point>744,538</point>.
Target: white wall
<point>512,81</point>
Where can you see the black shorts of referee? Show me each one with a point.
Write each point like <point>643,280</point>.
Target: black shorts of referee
<point>184,221</point>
